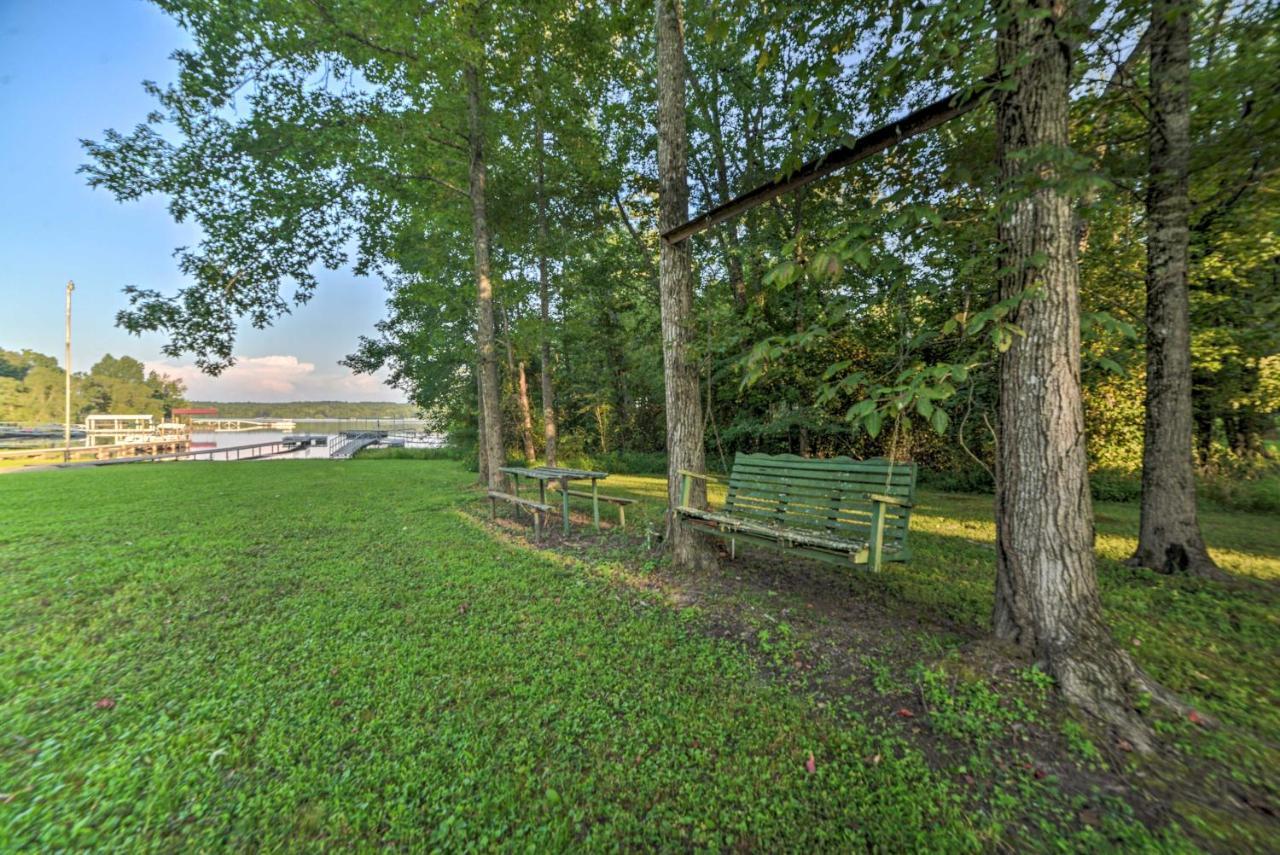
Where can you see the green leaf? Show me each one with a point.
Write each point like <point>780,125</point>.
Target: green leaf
<point>940,420</point>
<point>825,267</point>
<point>872,422</point>
<point>836,368</point>
<point>782,275</point>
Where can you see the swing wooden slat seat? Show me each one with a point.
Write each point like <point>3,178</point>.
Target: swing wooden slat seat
<point>836,509</point>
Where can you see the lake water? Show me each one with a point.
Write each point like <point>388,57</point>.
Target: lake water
<point>205,440</point>
<point>202,440</point>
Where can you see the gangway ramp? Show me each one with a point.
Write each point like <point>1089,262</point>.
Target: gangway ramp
<point>348,443</point>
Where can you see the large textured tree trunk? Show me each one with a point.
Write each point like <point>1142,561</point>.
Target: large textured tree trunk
<point>491,436</point>
<point>1047,598</point>
<point>1169,538</point>
<point>675,282</point>
<point>544,306</point>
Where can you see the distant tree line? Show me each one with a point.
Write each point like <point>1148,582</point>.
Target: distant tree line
<point>32,388</point>
<point>311,409</point>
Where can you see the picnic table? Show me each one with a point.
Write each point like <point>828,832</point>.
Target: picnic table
<point>562,476</point>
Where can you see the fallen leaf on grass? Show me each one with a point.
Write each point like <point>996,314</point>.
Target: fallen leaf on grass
<point>1124,745</point>
<point>1195,718</point>
<point>810,765</point>
<point>906,713</point>
<point>105,703</point>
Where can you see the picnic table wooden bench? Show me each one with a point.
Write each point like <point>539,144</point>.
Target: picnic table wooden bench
<point>556,476</point>
<point>836,509</point>
<point>611,500</point>
<point>538,509</point>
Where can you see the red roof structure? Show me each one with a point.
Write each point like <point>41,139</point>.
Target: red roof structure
<point>195,411</point>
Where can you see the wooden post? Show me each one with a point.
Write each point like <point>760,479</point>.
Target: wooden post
<point>66,426</point>
<point>595,504</point>
<point>564,503</point>
<point>875,544</point>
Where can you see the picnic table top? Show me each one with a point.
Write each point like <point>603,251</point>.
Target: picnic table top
<point>549,473</point>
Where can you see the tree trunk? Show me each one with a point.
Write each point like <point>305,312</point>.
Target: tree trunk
<point>520,382</point>
<point>482,468</point>
<point>1169,538</point>
<point>491,437</point>
<point>526,416</point>
<point>612,340</point>
<point>685,448</point>
<point>1047,598</point>
<point>729,233</point>
<point>544,307</point>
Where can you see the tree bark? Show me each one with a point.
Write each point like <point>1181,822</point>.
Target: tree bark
<point>491,437</point>
<point>612,340</point>
<point>1169,538</point>
<point>544,307</point>
<point>526,414</point>
<point>1047,598</point>
<point>482,467</point>
<point>728,236</point>
<point>685,447</point>
<point>516,370</point>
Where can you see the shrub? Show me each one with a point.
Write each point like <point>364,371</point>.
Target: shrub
<point>1110,485</point>
<point>1259,493</point>
<point>620,462</point>
<point>445,453</point>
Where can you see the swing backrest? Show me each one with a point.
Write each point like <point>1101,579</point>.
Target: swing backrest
<point>826,495</point>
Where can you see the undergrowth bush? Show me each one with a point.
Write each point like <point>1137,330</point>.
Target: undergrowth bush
<point>1252,491</point>
<point>1259,493</point>
<point>1110,485</point>
<point>619,462</point>
<point>445,453</point>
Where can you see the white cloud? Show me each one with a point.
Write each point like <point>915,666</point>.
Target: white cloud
<point>278,378</point>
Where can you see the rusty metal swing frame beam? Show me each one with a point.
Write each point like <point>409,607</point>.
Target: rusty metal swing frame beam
<point>884,137</point>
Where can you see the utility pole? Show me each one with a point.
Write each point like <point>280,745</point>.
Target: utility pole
<point>66,426</point>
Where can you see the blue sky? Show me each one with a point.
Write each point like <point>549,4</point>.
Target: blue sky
<point>69,69</point>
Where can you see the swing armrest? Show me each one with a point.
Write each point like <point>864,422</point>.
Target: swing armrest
<point>686,484</point>
<point>888,500</point>
<point>702,476</point>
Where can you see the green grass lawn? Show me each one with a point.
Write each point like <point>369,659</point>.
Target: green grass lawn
<point>312,654</point>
